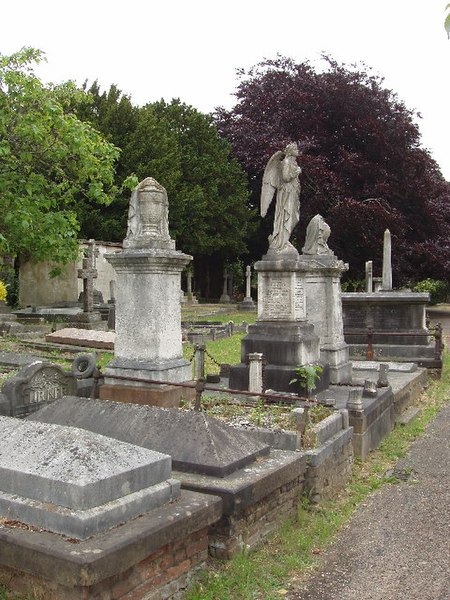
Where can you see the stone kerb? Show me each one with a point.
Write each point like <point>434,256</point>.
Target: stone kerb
<point>35,385</point>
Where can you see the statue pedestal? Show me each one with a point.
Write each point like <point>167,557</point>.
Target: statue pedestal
<point>282,333</point>
<point>148,321</point>
<point>322,280</point>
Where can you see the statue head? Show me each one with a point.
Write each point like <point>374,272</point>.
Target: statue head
<point>291,149</point>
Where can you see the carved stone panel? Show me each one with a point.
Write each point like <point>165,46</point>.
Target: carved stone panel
<point>35,385</point>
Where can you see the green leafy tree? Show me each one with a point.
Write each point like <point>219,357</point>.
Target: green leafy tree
<point>49,159</point>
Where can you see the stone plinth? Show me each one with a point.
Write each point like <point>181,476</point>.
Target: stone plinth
<point>148,341</point>
<point>282,333</point>
<point>322,282</point>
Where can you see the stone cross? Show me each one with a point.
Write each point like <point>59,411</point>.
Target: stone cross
<point>387,266</point>
<point>189,282</point>
<point>369,276</point>
<point>88,273</point>
<point>225,298</point>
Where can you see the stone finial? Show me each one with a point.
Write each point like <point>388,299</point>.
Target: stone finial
<point>148,217</point>
<point>317,234</point>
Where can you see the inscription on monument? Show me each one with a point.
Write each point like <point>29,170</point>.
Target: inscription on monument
<point>277,298</point>
<point>299,300</point>
<point>36,384</point>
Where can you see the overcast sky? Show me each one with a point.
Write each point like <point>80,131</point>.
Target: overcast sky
<point>190,49</point>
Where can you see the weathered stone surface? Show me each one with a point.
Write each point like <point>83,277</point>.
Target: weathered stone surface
<point>83,337</point>
<point>36,384</point>
<point>77,482</point>
<point>197,443</point>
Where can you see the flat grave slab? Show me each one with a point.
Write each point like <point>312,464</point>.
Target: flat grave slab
<point>196,442</point>
<point>372,365</point>
<point>90,338</point>
<point>76,482</point>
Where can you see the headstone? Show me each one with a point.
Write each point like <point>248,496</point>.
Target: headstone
<point>190,297</point>
<point>35,385</point>
<point>369,276</point>
<point>76,482</point>
<point>387,262</point>
<point>148,343</point>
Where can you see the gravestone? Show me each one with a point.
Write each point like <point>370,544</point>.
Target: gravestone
<point>369,276</point>
<point>76,482</point>
<point>35,385</point>
<point>322,272</point>
<point>247,303</point>
<point>282,332</point>
<point>89,318</point>
<point>148,343</point>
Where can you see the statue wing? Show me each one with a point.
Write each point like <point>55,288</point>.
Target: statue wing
<point>271,181</point>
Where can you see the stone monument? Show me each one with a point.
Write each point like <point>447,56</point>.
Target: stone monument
<point>247,303</point>
<point>281,333</point>
<point>89,318</point>
<point>322,272</point>
<point>148,313</point>
<point>387,262</point>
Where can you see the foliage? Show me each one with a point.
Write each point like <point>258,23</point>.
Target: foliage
<point>363,167</point>
<point>439,290</point>
<point>353,285</point>
<point>307,375</point>
<point>3,292</point>
<point>49,159</point>
<point>181,148</point>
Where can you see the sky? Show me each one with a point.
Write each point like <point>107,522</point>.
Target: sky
<point>191,49</point>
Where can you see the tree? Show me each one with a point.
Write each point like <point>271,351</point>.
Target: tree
<point>49,159</point>
<point>363,167</point>
<point>181,148</point>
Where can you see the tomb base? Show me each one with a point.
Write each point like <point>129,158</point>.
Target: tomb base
<point>166,396</point>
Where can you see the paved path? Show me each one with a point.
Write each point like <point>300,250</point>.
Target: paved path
<point>397,546</point>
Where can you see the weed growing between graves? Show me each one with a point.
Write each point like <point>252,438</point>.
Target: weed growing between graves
<point>289,555</point>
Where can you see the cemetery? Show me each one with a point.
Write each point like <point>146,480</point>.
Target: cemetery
<point>125,465</point>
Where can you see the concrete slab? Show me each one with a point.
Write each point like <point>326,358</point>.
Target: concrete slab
<point>90,338</point>
<point>197,443</point>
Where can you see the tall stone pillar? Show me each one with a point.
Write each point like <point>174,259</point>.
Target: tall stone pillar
<point>148,313</point>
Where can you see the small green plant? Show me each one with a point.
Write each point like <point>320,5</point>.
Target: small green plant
<point>3,292</point>
<point>438,289</point>
<point>307,375</point>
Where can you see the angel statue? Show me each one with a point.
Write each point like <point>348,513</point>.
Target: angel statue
<point>281,175</point>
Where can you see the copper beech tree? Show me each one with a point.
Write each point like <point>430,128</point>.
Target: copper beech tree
<point>364,169</point>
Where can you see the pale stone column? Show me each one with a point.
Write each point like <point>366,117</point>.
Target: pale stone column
<point>387,263</point>
<point>369,276</point>
<point>248,277</point>
<point>255,381</point>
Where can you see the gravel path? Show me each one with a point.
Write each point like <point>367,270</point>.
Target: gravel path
<point>397,546</point>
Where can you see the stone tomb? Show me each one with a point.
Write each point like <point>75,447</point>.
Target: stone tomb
<point>131,529</point>
<point>36,384</point>
<point>259,487</point>
<point>281,333</point>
